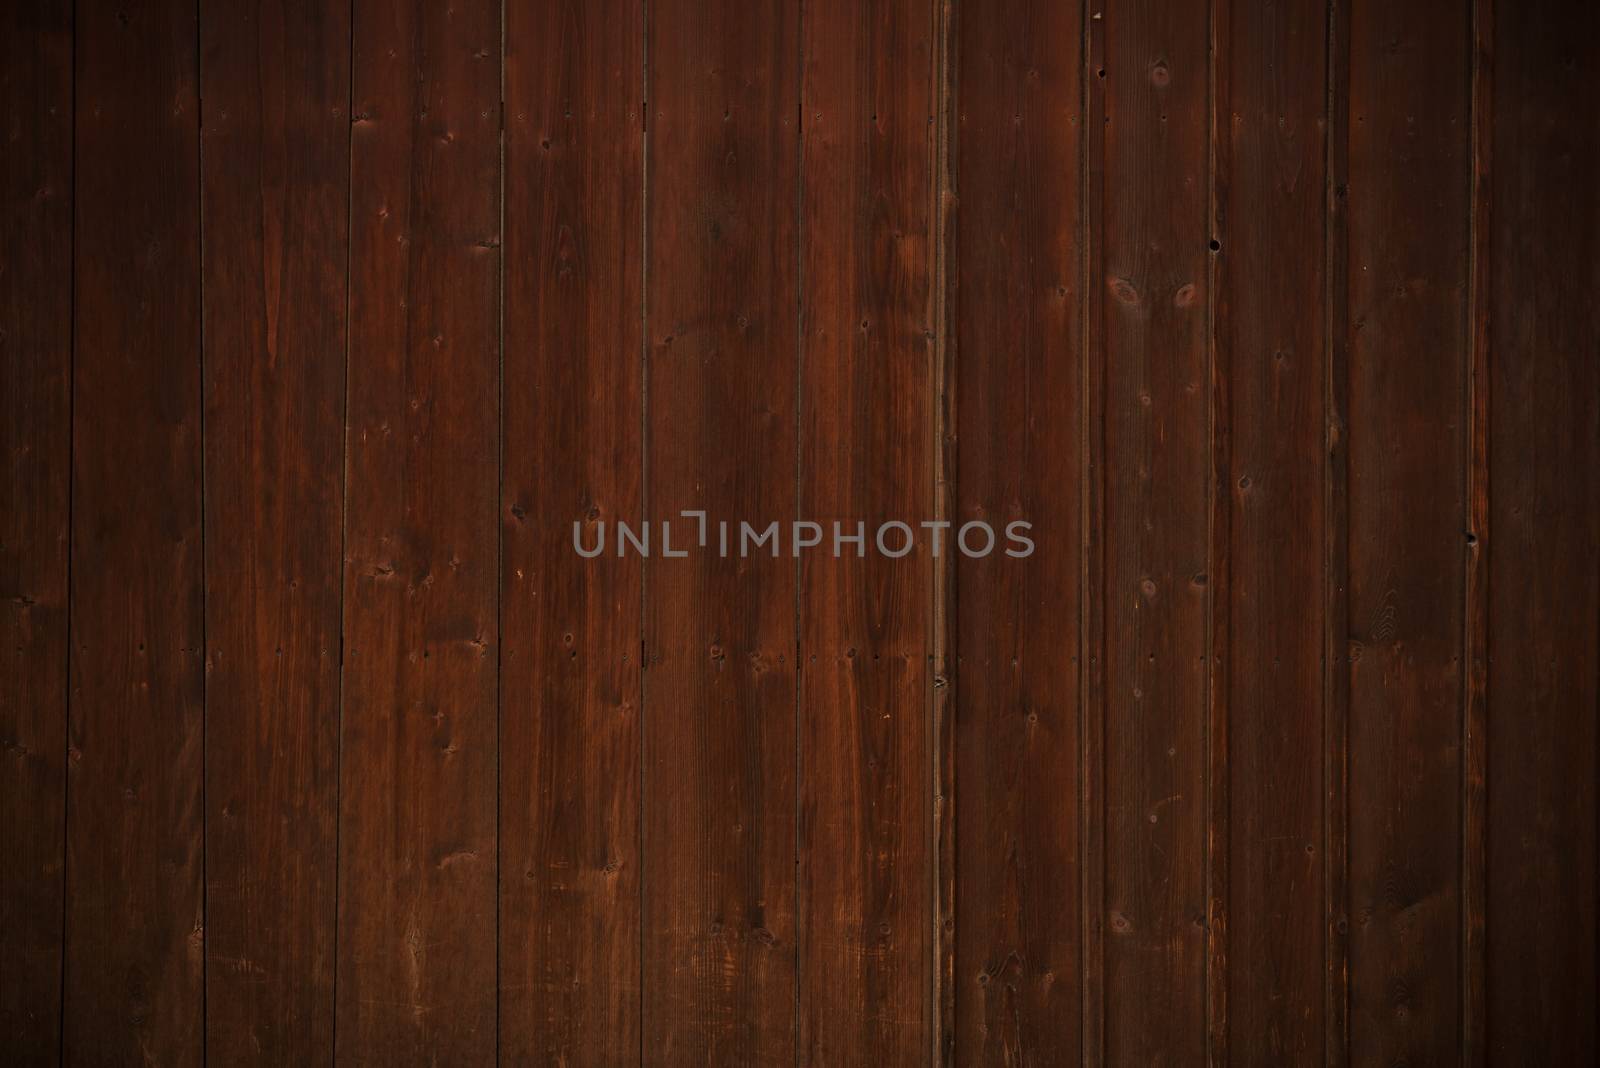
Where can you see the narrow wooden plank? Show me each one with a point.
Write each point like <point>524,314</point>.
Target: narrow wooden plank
<point>417,844</point>
<point>570,682</point>
<point>943,457</point>
<point>134,924</point>
<point>1336,544</point>
<point>719,819</point>
<point>1018,302</point>
<point>1407,275</point>
<point>1270,358</point>
<point>1544,518</point>
<point>1153,265</point>
<point>35,444</point>
<point>1475,726</point>
<point>1092,614</point>
<point>275,188</point>
<point>867,234</point>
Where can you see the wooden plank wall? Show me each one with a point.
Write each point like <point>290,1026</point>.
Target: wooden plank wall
<point>324,330</point>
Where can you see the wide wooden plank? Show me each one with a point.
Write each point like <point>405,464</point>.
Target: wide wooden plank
<point>1153,267</point>
<point>1269,331</point>
<point>134,922</point>
<point>1544,526</point>
<point>719,820</point>
<point>35,443</point>
<point>867,238</point>
<point>570,674</point>
<point>1406,324</point>
<point>275,189</point>
<point>417,860</point>
<point>1017,299</point>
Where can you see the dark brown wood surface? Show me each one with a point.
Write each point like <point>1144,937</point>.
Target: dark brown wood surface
<point>1016,279</point>
<point>275,189</point>
<point>719,926</point>
<point>36,95</point>
<point>867,232</point>
<point>1153,262</point>
<point>325,329</point>
<point>1543,626</point>
<point>1405,320</point>
<point>134,931</point>
<point>1270,530</point>
<point>417,935</point>
<point>572,453</point>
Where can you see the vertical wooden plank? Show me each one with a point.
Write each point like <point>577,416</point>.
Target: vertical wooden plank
<point>275,188</point>
<point>1018,302</point>
<point>416,923</point>
<point>1153,265</point>
<point>1271,365</point>
<point>134,925</point>
<point>1092,613</point>
<point>1475,727</point>
<point>719,733</point>
<point>35,442</point>
<point>570,684</point>
<point>943,458</point>
<point>1544,505</point>
<point>1407,275</point>
<point>1336,544</point>
<point>866,236</point>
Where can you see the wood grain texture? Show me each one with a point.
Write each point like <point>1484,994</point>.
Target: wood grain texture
<point>275,189</point>
<point>1408,218</point>
<point>1273,319</point>
<point>719,969</point>
<point>1544,521</point>
<point>573,454</point>
<point>1017,299</point>
<point>1270,363</point>
<point>1153,266</point>
<point>1336,545</point>
<point>35,440</point>
<point>417,835</point>
<point>865,618</point>
<point>134,923</point>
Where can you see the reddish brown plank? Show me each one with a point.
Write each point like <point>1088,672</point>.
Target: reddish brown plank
<point>1153,267</point>
<point>1475,652</point>
<point>417,860</point>
<point>1018,297</point>
<point>134,924</point>
<point>719,723</point>
<point>1544,526</point>
<point>865,618</point>
<point>275,188</point>
<point>35,440</point>
<point>570,682</point>
<point>1336,545</point>
<point>1269,330</point>
<point>1092,661</point>
<point>1408,216</point>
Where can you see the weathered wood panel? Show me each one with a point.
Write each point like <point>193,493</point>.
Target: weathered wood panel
<point>1017,293</point>
<point>719,822</point>
<point>35,449</point>
<point>134,930</point>
<point>1406,324</point>
<point>570,663</point>
<point>417,817</point>
<point>275,190</point>
<point>1153,265</point>
<point>1544,528</point>
<point>1273,320</point>
<point>865,426</point>
<point>1270,526</point>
